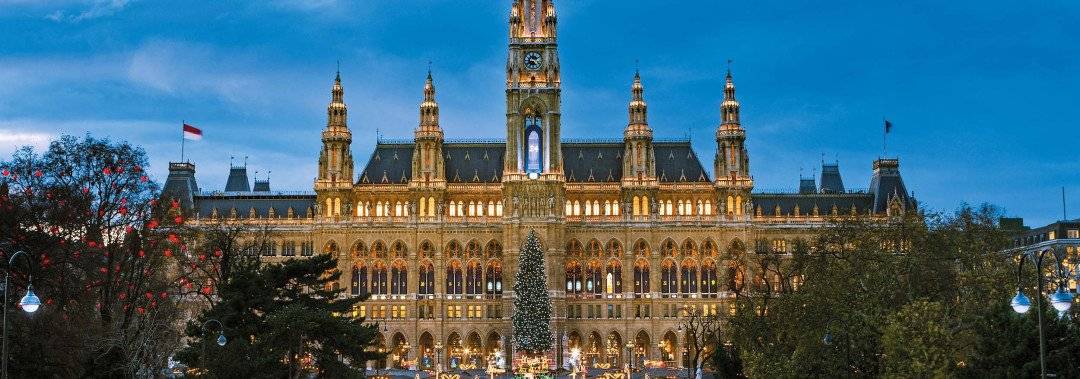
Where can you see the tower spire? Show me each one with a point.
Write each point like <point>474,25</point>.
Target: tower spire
<point>429,108</point>
<point>639,164</point>
<point>638,109</point>
<point>335,159</point>
<point>729,108</point>
<point>427,162</point>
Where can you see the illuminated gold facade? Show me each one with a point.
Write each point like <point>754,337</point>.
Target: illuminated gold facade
<point>634,228</point>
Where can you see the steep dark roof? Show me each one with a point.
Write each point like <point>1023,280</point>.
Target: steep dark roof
<point>677,162</point>
<point>593,161</point>
<point>474,162</point>
<point>482,162</point>
<point>806,202</point>
<point>830,178</point>
<point>238,180</point>
<point>181,183</point>
<point>261,202</point>
<point>887,184</point>
<point>389,164</point>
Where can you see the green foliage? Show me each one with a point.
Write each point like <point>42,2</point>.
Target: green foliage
<point>917,342</point>
<point>896,298</point>
<point>532,307</point>
<point>281,319</point>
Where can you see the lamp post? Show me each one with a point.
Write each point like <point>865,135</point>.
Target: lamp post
<point>1061,300</point>
<point>221,340</point>
<point>438,358</point>
<point>29,302</point>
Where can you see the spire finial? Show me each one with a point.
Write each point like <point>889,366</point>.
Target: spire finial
<point>429,69</point>
<point>729,67</point>
<point>637,68</point>
<point>338,75</point>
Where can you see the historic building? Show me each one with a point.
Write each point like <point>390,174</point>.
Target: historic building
<point>635,228</point>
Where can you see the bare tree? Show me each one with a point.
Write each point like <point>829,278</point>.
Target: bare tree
<point>701,330</point>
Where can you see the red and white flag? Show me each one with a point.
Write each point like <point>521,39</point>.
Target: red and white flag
<point>192,133</point>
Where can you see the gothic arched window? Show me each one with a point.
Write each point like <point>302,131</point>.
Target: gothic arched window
<point>534,142</point>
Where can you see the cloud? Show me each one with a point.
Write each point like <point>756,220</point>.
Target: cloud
<point>12,139</point>
<point>95,9</point>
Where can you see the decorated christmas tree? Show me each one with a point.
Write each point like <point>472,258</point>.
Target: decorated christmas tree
<point>532,307</point>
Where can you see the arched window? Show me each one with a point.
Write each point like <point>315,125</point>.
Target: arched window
<point>709,282</point>
<point>689,248</point>
<point>473,250</point>
<point>359,280</point>
<point>378,249</point>
<point>641,278</point>
<point>494,249</point>
<point>453,250</point>
<point>427,250</point>
<point>574,248</point>
<point>534,142</point>
<point>614,248</point>
<point>594,278</point>
<point>594,249</point>
<point>378,279</point>
<point>454,285</point>
<point>669,249</point>
<point>573,277</point>
<point>641,249</point>
<point>399,278</point>
<point>427,279</point>
<point>668,278</point>
<point>689,283</point>
<point>494,278</point>
<point>613,277</point>
<point>474,278</point>
<point>400,250</point>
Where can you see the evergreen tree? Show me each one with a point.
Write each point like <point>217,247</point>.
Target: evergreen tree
<point>532,307</point>
<point>279,318</point>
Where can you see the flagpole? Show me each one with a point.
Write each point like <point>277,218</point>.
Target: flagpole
<point>884,137</point>
<point>182,122</point>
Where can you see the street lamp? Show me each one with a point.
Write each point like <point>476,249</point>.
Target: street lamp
<point>29,302</point>
<point>1061,300</point>
<point>221,340</point>
<point>1020,303</point>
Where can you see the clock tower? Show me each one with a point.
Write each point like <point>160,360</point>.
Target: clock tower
<point>532,94</point>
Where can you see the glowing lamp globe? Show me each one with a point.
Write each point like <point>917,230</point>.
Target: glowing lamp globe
<point>1020,303</point>
<point>1061,300</point>
<point>30,303</point>
<point>221,340</point>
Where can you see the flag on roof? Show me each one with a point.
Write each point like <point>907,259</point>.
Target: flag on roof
<point>192,133</point>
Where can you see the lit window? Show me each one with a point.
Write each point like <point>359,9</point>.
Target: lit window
<point>533,142</point>
<point>1073,233</point>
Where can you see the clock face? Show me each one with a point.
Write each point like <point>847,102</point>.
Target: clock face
<point>533,60</point>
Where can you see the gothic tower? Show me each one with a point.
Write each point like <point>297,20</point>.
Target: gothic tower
<point>639,159</point>
<point>532,93</point>
<point>732,164</point>
<point>428,173</point>
<point>335,160</point>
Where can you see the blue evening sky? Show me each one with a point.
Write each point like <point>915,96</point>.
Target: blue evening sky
<point>983,94</point>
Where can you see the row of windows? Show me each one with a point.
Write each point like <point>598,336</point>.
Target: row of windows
<point>688,278</point>
<point>685,208</point>
<point>287,248</point>
<point>592,208</point>
<point>475,209</point>
<point>382,209</point>
<point>454,249</point>
<point>495,311</point>
<point>469,279</point>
